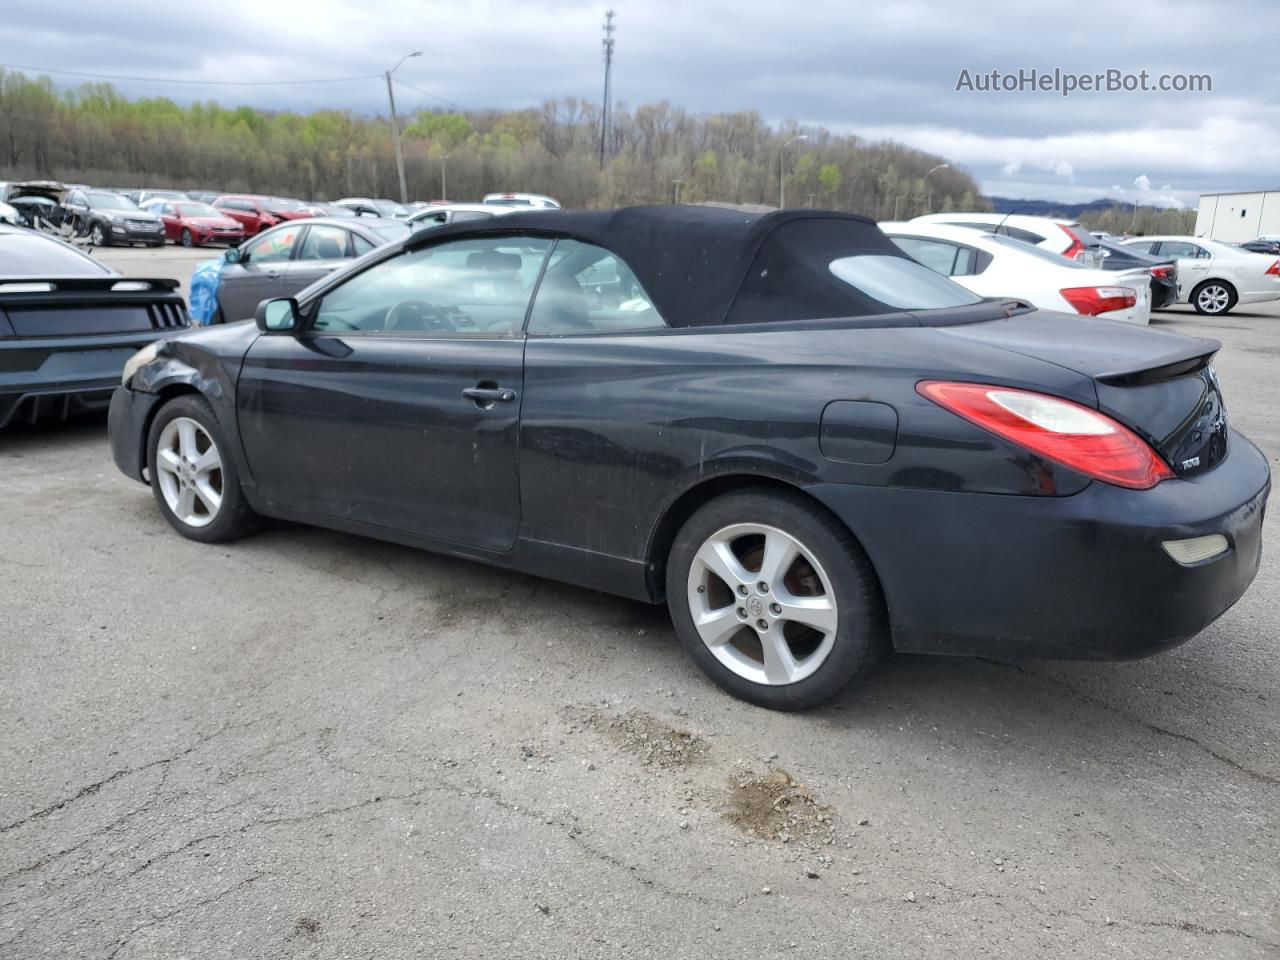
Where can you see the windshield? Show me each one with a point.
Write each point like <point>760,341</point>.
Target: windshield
<point>392,231</point>
<point>110,201</point>
<point>196,210</point>
<point>389,208</point>
<point>1038,252</point>
<point>284,204</point>
<point>30,254</point>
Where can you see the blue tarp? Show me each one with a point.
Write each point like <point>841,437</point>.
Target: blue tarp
<point>203,300</point>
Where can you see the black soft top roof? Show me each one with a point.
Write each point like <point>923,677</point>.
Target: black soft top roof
<point>710,265</point>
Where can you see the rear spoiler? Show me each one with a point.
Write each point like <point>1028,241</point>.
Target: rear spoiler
<point>1192,357</point>
<point>18,290</point>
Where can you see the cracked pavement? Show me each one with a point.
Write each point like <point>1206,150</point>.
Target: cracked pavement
<point>306,744</point>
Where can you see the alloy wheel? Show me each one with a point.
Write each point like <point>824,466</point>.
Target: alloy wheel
<point>189,471</point>
<point>762,604</point>
<point>97,236</point>
<point>1213,298</point>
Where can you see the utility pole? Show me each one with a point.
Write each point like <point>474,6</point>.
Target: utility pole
<point>444,190</point>
<point>928,174</point>
<point>810,201</point>
<point>676,183</point>
<point>395,127</point>
<point>605,109</point>
<point>782,175</point>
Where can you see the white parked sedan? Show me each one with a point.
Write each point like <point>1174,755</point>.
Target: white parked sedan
<point>1066,237</point>
<point>438,214</point>
<point>995,265</point>
<point>1213,277</point>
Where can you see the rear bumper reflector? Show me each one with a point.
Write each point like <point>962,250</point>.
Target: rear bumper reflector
<point>1197,549</point>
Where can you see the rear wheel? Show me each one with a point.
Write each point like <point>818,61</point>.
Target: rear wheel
<point>774,599</point>
<point>193,476</point>
<point>1213,297</point>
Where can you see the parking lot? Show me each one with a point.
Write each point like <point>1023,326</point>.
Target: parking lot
<point>307,744</point>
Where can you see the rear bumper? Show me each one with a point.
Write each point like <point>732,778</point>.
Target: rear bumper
<point>1079,577</point>
<point>61,376</point>
<point>127,422</point>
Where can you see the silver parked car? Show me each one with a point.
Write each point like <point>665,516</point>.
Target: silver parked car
<point>283,260</point>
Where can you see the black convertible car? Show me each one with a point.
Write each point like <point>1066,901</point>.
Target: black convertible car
<point>805,443</point>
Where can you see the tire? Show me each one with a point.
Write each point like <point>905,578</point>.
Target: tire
<point>97,236</point>
<point>185,238</point>
<point>187,423</point>
<point>1214,297</point>
<point>818,662</point>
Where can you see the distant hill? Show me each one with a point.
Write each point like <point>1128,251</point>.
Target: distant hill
<point>1051,208</point>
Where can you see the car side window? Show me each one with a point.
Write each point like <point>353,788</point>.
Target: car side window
<point>587,289</point>
<point>1181,248</point>
<point>360,245</point>
<point>478,287</point>
<point>938,256</point>
<point>273,246</point>
<point>324,242</point>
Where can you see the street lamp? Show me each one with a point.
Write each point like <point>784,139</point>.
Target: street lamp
<point>929,173</point>
<point>782,179</point>
<point>676,185</point>
<point>444,190</point>
<point>395,126</point>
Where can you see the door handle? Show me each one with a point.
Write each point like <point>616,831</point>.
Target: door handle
<point>488,396</point>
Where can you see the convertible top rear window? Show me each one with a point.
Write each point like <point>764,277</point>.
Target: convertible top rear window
<point>29,254</point>
<point>817,267</point>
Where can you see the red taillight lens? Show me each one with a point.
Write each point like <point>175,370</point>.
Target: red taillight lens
<point>1077,246</point>
<point>1059,430</point>
<point>1273,270</point>
<point>1092,301</point>
<point>1164,273</point>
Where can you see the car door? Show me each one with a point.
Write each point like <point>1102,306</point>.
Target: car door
<point>398,405</point>
<point>77,204</point>
<point>259,274</point>
<point>1194,263</point>
<point>322,249</point>
<point>168,215</point>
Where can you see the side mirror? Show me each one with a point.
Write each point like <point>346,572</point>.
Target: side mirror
<point>231,255</point>
<point>278,316</point>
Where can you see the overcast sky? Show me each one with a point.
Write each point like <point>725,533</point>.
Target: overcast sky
<point>878,70</point>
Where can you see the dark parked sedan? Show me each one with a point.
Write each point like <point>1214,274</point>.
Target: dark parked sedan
<point>1164,271</point>
<point>68,324</point>
<point>805,443</point>
<point>1262,246</point>
<point>283,260</point>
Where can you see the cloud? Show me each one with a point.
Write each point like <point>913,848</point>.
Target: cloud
<point>880,70</point>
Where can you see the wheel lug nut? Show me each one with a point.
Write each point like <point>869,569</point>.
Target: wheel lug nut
<point>742,613</point>
<point>762,624</point>
<point>742,589</point>
<point>775,609</point>
<point>762,587</point>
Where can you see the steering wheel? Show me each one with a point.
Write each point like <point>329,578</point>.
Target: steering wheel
<point>417,315</point>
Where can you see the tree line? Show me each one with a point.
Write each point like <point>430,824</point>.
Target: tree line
<point>654,154</point>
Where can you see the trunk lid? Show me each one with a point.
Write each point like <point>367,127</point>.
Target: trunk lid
<point>1161,385</point>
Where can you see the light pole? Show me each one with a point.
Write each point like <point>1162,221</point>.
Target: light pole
<point>676,184</point>
<point>782,177</point>
<point>931,171</point>
<point>444,189</point>
<point>395,127</point>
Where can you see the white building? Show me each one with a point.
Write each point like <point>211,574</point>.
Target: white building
<point>1237,217</point>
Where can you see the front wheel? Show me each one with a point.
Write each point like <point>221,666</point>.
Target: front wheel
<point>1213,297</point>
<point>774,599</point>
<point>97,236</point>
<point>186,238</point>
<point>193,476</point>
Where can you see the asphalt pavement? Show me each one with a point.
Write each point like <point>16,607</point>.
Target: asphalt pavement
<point>308,744</point>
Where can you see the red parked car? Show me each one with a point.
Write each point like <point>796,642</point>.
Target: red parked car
<point>257,213</point>
<point>195,224</point>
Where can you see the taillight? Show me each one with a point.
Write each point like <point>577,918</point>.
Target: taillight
<point>1092,301</point>
<point>1163,272</point>
<point>1273,270</point>
<point>1059,430</point>
<point>1077,246</point>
